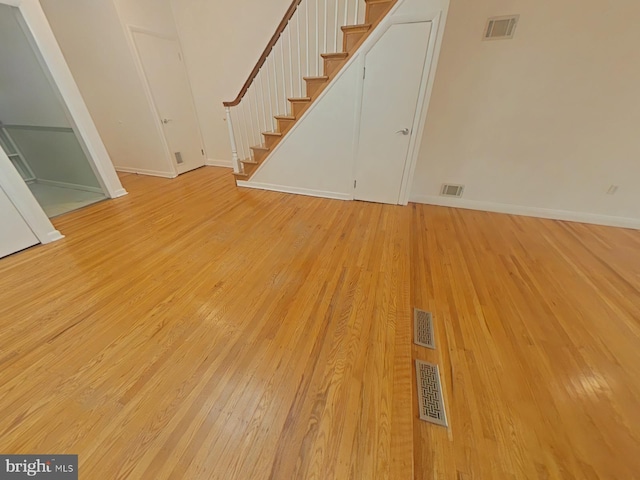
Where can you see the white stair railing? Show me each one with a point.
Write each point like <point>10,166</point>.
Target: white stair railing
<point>309,28</point>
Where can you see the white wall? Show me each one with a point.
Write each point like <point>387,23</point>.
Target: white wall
<point>546,121</point>
<point>95,46</point>
<point>155,15</point>
<point>15,233</point>
<point>315,163</point>
<point>221,42</point>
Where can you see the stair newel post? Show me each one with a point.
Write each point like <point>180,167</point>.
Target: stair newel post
<point>237,167</point>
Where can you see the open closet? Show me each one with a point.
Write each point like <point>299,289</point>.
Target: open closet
<point>35,130</point>
<point>52,160</point>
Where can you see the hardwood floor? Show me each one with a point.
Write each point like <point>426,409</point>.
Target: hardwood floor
<point>195,330</point>
<point>538,335</point>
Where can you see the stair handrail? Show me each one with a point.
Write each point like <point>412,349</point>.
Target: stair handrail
<point>274,39</point>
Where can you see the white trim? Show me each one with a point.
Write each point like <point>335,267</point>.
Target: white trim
<point>566,215</point>
<point>120,193</point>
<point>153,173</point>
<point>44,43</point>
<point>219,163</point>
<point>52,237</point>
<point>295,190</point>
<point>84,188</point>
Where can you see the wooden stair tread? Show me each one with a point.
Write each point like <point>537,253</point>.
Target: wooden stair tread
<point>274,134</point>
<point>331,56</point>
<point>376,1</point>
<point>260,147</point>
<point>364,27</point>
<point>300,99</point>
<point>246,175</point>
<point>323,78</point>
<point>284,117</point>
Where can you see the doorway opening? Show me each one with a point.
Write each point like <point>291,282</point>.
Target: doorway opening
<point>36,130</point>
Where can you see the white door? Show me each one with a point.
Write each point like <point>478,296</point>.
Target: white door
<point>167,79</point>
<point>393,76</point>
<point>15,234</point>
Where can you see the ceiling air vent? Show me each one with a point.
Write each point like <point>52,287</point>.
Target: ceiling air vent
<point>451,190</point>
<point>501,28</point>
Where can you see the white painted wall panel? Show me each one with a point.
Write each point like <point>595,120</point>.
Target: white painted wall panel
<point>542,123</point>
<point>318,154</point>
<point>15,234</point>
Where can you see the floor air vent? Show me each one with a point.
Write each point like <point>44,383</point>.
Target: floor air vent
<point>451,190</point>
<point>430,398</point>
<point>423,329</point>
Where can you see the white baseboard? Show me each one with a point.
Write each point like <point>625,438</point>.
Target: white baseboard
<point>218,163</point>
<point>52,237</point>
<point>153,173</point>
<point>84,188</point>
<point>295,190</point>
<point>121,192</point>
<point>567,215</point>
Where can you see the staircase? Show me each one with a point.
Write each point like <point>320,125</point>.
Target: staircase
<point>272,99</point>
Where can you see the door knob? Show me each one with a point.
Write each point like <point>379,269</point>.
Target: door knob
<point>166,120</point>
<point>404,131</point>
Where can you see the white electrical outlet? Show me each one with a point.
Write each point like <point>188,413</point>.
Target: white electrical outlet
<point>612,189</point>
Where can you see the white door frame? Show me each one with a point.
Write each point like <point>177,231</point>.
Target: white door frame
<point>438,19</point>
<point>24,201</point>
<point>43,40</point>
<point>131,29</point>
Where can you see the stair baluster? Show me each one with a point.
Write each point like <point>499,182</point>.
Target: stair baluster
<point>258,119</point>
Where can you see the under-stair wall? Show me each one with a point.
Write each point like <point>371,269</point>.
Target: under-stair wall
<point>316,156</point>
<point>296,64</point>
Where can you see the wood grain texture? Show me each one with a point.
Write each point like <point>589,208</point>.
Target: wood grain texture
<point>538,334</point>
<point>195,330</point>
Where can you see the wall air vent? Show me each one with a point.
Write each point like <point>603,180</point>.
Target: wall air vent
<point>452,190</point>
<point>179,159</point>
<point>501,28</point>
